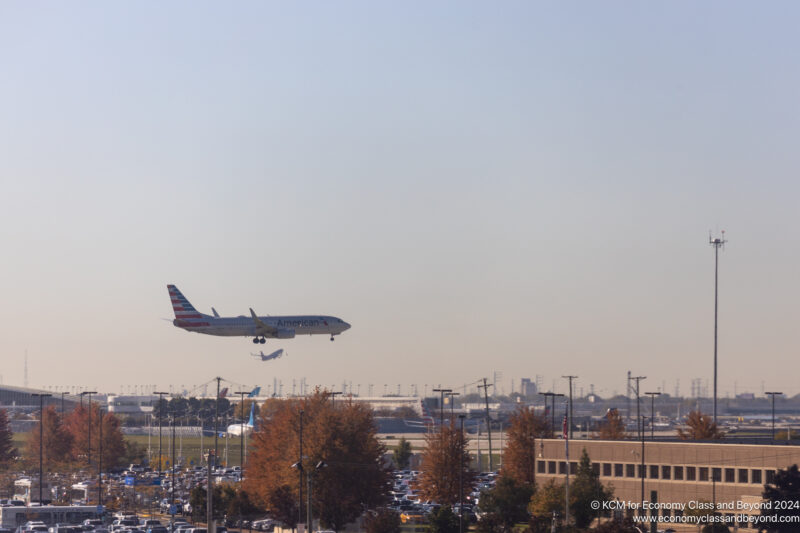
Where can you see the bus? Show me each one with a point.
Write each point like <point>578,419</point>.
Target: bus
<point>27,490</point>
<point>13,517</point>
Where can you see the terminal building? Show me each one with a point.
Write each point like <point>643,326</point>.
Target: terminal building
<point>674,472</point>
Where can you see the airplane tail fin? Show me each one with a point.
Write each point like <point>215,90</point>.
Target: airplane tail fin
<point>180,305</point>
<point>252,421</point>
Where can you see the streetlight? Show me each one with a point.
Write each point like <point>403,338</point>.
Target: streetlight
<point>100,460</point>
<point>241,434</point>
<point>41,397</point>
<point>652,413</point>
<point>773,394</point>
<point>333,395</point>
<point>717,243</point>
<point>570,378</point>
<point>310,515</point>
<point>160,414</point>
<point>461,477</point>
<point>546,395</point>
<point>89,427</point>
<point>639,419</point>
<point>441,392</point>
<point>452,396</point>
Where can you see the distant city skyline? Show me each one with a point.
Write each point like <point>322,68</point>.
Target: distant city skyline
<point>521,187</point>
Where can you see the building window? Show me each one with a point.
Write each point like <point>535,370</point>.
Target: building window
<point>562,467</point>
<point>640,472</point>
<point>617,470</point>
<point>606,470</point>
<point>703,473</point>
<point>665,472</point>
<point>678,472</point>
<point>653,472</point>
<point>691,473</point>
<point>717,474</point>
<point>540,467</point>
<point>755,477</point>
<point>596,468</point>
<point>742,475</point>
<point>551,467</point>
<point>770,476</point>
<point>730,475</point>
<point>630,470</point>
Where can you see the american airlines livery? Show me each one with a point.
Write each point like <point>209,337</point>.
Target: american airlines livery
<point>260,328</point>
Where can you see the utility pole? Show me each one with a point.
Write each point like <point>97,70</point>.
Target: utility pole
<point>160,416</point>
<point>100,461</point>
<point>485,388</point>
<point>570,378</point>
<point>717,243</point>
<point>452,396</point>
<point>653,413</point>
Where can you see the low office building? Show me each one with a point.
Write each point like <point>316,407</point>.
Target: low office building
<point>675,472</point>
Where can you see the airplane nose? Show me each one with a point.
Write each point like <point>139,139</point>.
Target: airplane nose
<point>346,325</point>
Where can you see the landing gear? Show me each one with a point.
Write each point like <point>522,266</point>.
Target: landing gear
<point>263,340</point>
<point>331,338</point>
<point>256,340</point>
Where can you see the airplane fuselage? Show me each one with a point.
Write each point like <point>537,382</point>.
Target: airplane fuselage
<point>244,326</point>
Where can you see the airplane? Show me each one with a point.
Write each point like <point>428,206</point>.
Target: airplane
<point>260,328</point>
<point>239,429</point>
<point>274,355</point>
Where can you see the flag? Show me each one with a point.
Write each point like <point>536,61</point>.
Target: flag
<point>255,392</point>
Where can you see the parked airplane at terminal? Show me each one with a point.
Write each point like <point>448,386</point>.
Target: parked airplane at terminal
<point>260,328</point>
<point>244,429</point>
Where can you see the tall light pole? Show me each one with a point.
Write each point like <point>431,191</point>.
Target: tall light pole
<point>717,243</point>
<point>461,476</point>
<point>652,413</point>
<point>441,392</point>
<point>485,388</point>
<point>639,421</point>
<point>570,378</point>
<point>160,416</point>
<point>241,434</point>
<point>773,394</point>
<point>100,459</point>
<point>41,397</point>
<point>89,428</point>
<point>552,422</point>
<point>452,396</point>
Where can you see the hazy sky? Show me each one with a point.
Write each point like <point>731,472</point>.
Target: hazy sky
<point>520,187</point>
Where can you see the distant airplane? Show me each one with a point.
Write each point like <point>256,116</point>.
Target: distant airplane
<point>260,328</point>
<point>246,429</point>
<point>274,355</point>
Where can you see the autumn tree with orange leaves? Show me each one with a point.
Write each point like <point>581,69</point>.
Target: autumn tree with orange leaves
<point>700,427</point>
<point>612,428</point>
<point>7,450</point>
<point>519,457</point>
<point>342,436</point>
<point>57,441</point>
<point>445,461</point>
<point>77,424</point>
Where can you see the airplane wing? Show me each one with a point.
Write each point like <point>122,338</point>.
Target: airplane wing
<point>261,327</point>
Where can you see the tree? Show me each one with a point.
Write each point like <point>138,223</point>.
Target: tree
<point>382,521</point>
<point>700,427</point>
<point>612,428</point>
<point>624,525</point>
<point>584,489</point>
<point>77,424</point>
<point>344,438</point>
<point>519,457</point>
<point>547,500</point>
<point>57,441</point>
<point>785,488</point>
<point>445,462</point>
<point>443,520</point>
<point>402,454</point>
<point>7,450</point>
<point>506,504</point>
